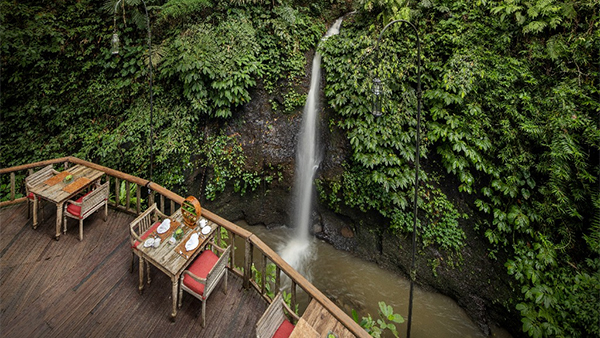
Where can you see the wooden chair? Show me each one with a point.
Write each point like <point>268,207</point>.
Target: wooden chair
<point>86,205</point>
<point>140,229</point>
<point>274,322</point>
<point>33,180</point>
<point>202,276</point>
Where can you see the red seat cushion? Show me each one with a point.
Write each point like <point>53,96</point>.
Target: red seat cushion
<point>31,196</point>
<point>75,210</point>
<point>284,330</point>
<point>146,234</point>
<point>200,268</point>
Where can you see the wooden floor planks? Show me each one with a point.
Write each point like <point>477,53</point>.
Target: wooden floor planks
<point>72,288</point>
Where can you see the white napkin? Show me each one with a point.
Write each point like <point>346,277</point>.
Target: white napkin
<point>203,222</point>
<point>193,242</point>
<point>164,226</point>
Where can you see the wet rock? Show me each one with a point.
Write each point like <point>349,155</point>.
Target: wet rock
<point>317,228</point>
<point>347,232</point>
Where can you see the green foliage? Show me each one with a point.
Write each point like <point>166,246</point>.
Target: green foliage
<point>386,321</point>
<point>217,65</point>
<point>268,278</point>
<point>285,35</point>
<point>509,113</point>
<point>180,9</point>
<point>122,195</point>
<point>224,156</point>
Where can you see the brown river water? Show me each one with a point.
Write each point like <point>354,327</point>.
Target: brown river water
<point>353,283</point>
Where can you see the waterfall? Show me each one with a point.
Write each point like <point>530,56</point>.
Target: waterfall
<point>298,249</point>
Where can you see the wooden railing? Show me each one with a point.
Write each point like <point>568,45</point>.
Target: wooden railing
<point>227,232</point>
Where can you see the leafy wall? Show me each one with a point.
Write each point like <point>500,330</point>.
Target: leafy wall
<point>510,110</point>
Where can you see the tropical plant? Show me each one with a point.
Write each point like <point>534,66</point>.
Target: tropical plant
<point>387,321</point>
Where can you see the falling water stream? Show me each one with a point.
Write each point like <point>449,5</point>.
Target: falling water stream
<point>298,250</point>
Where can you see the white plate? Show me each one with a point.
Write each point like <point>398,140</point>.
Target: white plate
<point>149,242</point>
<point>206,230</point>
<point>192,243</point>
<point>164,226</point>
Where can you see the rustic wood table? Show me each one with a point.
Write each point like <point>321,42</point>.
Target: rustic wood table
<point>173,258</point>
<point>57,191</point>
<point>317,322</point>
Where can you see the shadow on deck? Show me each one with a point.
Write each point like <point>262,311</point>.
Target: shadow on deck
<point>69,288</point>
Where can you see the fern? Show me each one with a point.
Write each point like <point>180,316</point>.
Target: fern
<point>593,239</point>
<point>181,8</point>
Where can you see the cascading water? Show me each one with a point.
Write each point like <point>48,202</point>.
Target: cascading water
<point>298,249</point>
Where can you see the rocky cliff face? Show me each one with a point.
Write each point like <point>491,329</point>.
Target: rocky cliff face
<point>269,139</point>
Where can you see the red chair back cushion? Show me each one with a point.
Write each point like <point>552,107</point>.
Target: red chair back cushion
<point>75,210</point>
<point>200,268</point>
<point>284,330</point>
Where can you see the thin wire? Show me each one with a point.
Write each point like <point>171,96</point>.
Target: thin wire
<point>413,270</point>
<point>151,80</point>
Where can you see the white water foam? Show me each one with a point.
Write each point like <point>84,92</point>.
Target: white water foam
<point>298,251</point>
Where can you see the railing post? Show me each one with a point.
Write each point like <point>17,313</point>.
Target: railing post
<point>150,198</point>
<point>138,195</point>
<point>218,235</point>
<point>293,291</point>
<point>277,279</point>
<point>248,264</point>
<point>232,251</point>
<point>117,192</point>
<point>127,196</point>
<point>264,275</point>
<point>12,186</point>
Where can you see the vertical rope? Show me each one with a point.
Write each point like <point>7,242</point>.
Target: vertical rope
<point>413,268</point>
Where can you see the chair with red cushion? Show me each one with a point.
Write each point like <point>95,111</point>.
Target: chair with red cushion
<point>34,179</point>
<point>274,323</point>
<point>86,205</point>
<point>139,230</point>
<point>203,275</point>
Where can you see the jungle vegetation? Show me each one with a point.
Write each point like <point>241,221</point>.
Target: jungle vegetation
<point>510,112</point>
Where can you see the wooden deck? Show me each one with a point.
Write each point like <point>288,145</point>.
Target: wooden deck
<point>85,289</point>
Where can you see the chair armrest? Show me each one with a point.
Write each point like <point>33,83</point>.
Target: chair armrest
<point>134,236</point>
<point>216,247</point>
<point>74,202</point>
<point>194,277</point>
<point>289,310</point>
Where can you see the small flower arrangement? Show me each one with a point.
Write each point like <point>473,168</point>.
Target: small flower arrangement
<point>178,234</point>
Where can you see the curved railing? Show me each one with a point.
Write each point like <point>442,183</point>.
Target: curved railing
<point>232,234</point>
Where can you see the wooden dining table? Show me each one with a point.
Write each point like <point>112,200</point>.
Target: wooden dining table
<point>56,190</point>
<point>172,258</point>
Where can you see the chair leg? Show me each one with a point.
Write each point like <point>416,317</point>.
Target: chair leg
<point>225,291</point>
<point>180,293</point>
<point>148,272</point>
<point>204,313</point>
<point>132,261</point>
<point>105,211</point>
<point>81,229</point>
